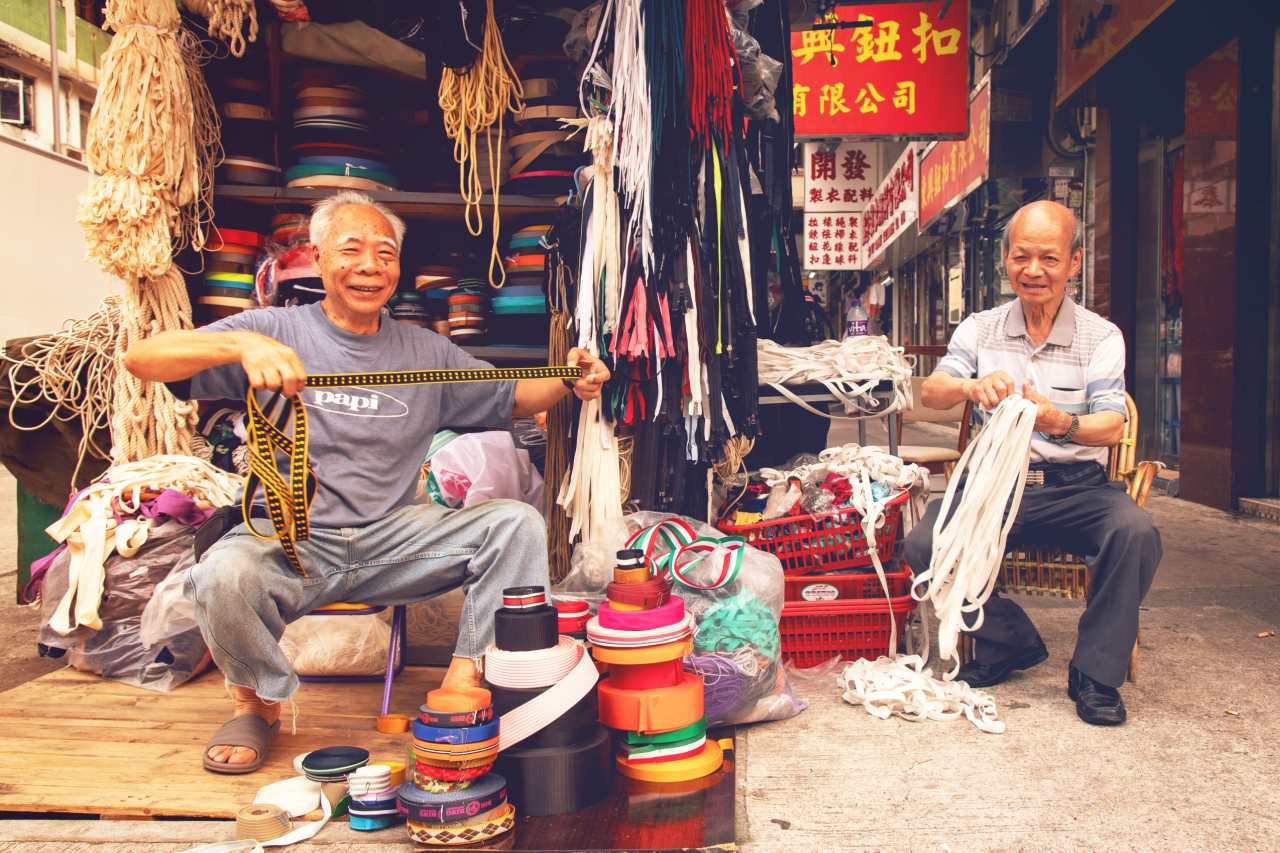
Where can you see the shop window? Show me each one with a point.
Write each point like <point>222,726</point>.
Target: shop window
<point>17,99</point>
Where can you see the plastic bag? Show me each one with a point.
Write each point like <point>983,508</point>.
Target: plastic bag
<point>337,645</point>
<point>118,650</point>
<point>737,648</point>
<point>481,466</point>
<point>169,613</point>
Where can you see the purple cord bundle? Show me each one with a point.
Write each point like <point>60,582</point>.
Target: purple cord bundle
<point>724,686</point>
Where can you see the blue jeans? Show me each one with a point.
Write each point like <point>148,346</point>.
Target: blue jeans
<point>246,592</point>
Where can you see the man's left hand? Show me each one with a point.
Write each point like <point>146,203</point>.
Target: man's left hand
<point>594,374</point>
<point>1050,420</point>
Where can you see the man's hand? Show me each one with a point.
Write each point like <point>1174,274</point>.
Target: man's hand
<point>1050,420</point>
<point>594,374</point>
<point>270,365</point>
<point>988,391</point>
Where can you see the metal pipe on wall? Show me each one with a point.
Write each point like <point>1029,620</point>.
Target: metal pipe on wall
<point>55,80</point>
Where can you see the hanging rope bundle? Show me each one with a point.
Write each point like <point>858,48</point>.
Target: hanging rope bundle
<point>710,63</point>
<point>226,21</point>
<point>147,420</point>
<point>471,101</point>
<point>152,142</point>
<point>71,372</point>
<point>632,128</point>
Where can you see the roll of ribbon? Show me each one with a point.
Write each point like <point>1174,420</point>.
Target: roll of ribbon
<point>393,723</point>
<point>248,112</point>
<point>572,625</point>
<point>526,629</point>
<point>452,700</point>
<point>625,607</point>
<point>689,732</point>
<point>572,607</point>
<point>646,676</point>
<point>535,668</point>
<point>601,636</point>
<point>670,613</point>
<point>486,793</point>
<point>652,710</point>
<point>551,704</point>
<point>459,752</point>
<point>522,597</point>
<point>648,594</point>
<point>627,575</point>
<point>238,278</point>
<point>454,719</point>
<point>560,779</point>
<point>334,762</point>
<point>369,824</point>
<point>455,734</point>
<point>664,752</point>
<point>262,822</point>
<point>451,774</point>
<point>454,763</point>
<point>479,829</point>
<point>219,237</point>
<point>546,111</point>
<point>564,730</point>
<point>341,182</point>
<point>652,654</point>
<point>395,768</point>
<point>708,761</point>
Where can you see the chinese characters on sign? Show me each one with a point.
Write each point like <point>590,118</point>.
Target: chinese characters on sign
<point>892,209</point>
<point>1090,33</point>
<point>907,73</point>
<point>831,240</point>
<point>841,179</point>
<point>950,170</point>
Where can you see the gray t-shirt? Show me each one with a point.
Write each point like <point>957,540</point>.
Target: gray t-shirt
<point>366,445</point>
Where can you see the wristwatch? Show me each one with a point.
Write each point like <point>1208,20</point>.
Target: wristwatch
<point>1066,437</point>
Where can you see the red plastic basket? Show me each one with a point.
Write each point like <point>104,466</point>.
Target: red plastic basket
<point>823,542</point>
<point>816,631</point>
<point>846,585</point>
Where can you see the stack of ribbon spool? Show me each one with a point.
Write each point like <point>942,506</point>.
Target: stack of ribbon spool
<point>248,131</point>
<point>454,798</point>
<point>330,767</point>
<point>229,260</point>
<point>572,615</point>
<point>544,154</point>
<point>520,307</point>
<point>408,306</point>
<point>555,753</point>
<point>262,822</point>
<point>333,145</point>
<point>468,311</point>
<point>373,797</point>
<point>643,633</point>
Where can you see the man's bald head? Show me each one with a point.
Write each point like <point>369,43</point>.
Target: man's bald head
<point>1044,212</point>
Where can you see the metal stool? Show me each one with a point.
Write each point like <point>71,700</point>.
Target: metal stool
<point>395,649</point>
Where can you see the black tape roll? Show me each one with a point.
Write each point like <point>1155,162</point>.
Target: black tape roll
<point>526,630</point>
<point>559,779</point>
<point>568,728</point>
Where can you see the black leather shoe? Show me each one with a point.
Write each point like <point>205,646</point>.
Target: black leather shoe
<point>1096,703</point>
<point>978,674</point>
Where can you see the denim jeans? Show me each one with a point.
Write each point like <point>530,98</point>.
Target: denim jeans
<point>246,592</point>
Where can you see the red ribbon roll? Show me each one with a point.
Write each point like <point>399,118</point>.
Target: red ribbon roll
<point>647,595</point>
<point>646,676</point>
<point>669,613</point>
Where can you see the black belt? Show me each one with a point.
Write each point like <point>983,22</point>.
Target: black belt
<point>1064,474</point>
<point>288,498</point>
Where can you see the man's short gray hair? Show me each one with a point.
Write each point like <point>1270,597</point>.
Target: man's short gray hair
<point>322,215</point>
<point>1077,231</point>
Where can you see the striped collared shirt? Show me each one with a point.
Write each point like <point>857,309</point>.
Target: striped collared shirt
<point>1079,367</point>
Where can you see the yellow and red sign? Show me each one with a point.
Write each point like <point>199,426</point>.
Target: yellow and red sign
<point>951,170</point>
<point>1090,33</point>
<point>904,74</point>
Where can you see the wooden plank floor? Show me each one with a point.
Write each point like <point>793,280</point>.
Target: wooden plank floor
<point>74,744</point>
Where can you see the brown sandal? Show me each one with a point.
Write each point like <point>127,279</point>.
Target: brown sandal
<point>248,731</point>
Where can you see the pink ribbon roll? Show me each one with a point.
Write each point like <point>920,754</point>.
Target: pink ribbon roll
<point>666,614</point>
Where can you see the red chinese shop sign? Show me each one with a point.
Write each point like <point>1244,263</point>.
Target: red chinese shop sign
<point>951,170</point>
<point>892,210</point>
<point>904,74</point>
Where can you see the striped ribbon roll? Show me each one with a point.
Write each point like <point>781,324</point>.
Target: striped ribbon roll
<point>521,597</point>
<point>536,668</point>
<point>612,638</point>
<point>544,709</point>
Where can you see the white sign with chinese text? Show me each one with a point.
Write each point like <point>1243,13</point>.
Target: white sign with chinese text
<point>831,241</point>
<point>842,178</point>
<point>892,209</point>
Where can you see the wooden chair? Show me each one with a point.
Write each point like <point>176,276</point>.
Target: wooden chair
<point>395,649</point>
<point>1049,571</point>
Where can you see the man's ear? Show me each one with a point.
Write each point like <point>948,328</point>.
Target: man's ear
<point>1077,260</point>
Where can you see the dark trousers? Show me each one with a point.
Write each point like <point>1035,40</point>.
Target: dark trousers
<point>1097,520</point>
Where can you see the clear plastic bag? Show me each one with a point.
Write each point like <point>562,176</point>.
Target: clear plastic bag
<point>737,648</point>
<point>482,466</point>
<point>337,645</point>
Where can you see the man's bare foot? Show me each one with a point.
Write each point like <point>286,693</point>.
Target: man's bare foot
<point>247,702</point>
<point>462,672</point>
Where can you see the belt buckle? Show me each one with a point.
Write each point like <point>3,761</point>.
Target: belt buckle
<point>1035,478</point>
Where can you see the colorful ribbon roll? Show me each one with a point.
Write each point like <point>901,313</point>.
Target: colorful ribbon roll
<point>457,753</point>
<point>455,734</point>
<point>663,616</point>
<point>519,597</point>
<point>535,668</point>
<point>652,710</point>
<point>486,793</point>
<point>651,654</point>
<point>706,762</point>
<point>648,594</point>
<point>612,638</point>
<point>454,719</point>
<point>482,828</point>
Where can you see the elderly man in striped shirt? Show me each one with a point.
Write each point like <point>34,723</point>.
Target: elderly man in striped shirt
<point>1070,362</point>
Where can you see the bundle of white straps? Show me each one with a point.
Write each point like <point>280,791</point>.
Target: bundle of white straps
<point>850,369</point>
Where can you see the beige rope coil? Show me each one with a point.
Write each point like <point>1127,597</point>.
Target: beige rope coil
<point>471,101</point>
<point>226,21</point>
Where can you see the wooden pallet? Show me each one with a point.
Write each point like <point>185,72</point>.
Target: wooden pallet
<point>73,744</point>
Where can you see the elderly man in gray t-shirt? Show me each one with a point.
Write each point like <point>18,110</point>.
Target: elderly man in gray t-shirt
<point>370,541</point>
